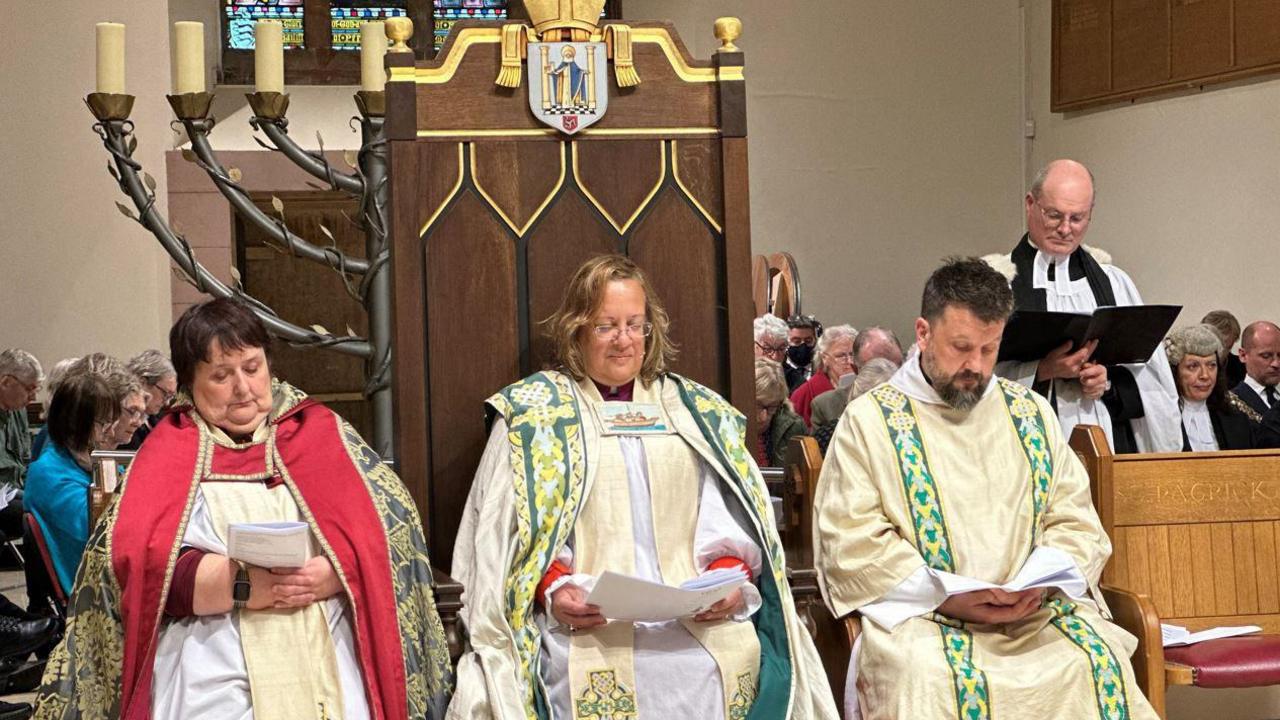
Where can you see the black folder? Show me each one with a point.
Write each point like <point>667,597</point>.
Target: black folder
<point>1125,333</point>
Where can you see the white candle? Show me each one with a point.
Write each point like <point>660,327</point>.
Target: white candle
<point>268,56</point>
<point>189,39</point>
<point>373,46</point>
<point>110,58</point>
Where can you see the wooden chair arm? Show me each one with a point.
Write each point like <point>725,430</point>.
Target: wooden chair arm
<point>852,628</point>
<point>1136,613</point>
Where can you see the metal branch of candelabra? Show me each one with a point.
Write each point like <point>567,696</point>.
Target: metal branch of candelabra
<point>369,184</point>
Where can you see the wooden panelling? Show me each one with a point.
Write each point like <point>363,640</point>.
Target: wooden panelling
<point>1140,52</point>
<point>1236,486</point>
<point>674,246</point>
<point>1264,567</point>
<point>1200,37</point>
<point>699,168</point>
<point>1105,51</point>
<point>622,175</point>
<point>1082,48</point>
<point>518,178</point>
<point>570,232</point>
<point>1257,41</point>
<point>1182,579</point>
<point>440,173</point>
<point>472,334</point>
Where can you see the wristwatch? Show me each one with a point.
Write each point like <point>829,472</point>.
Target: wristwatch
<point>241,587</point>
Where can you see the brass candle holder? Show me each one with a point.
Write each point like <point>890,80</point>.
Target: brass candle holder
<point>268,105</point>
<point>109,106</point>
<point>191,106</point>
<point>372,103</point>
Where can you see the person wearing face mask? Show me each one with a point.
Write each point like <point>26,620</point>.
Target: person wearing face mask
<point>1051,269</point>
<point>164,624</point>
<point>611,462</point>
<point>803,332</point>
<point>834,359</point>
<point>944,471</point>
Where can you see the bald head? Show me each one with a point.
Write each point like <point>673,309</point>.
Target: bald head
<point>1059,207</point>
<point>876,342</point>
<point>1260,352</point>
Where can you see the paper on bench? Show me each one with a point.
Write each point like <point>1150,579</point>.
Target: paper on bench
<point>623,597</point>
<point>1176,635</point>
<point>1046,568</point>
<point>270,545</point>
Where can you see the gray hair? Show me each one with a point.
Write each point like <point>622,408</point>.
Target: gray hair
<point>151,366</point>
<point>59,373</point>
<point>1199,340</point>
<point>829,337</point>
<point>1037,183</point>
<point>771,383</point>
<point>769,327</point>
<point>122,382</point>
<point>869,335</point>
<point>876,372</point>
<point>20,364</point>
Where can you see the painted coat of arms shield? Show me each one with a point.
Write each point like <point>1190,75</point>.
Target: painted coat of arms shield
<point>569,88</point>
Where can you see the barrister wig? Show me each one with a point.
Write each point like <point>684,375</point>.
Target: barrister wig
<point>567,326</point>
<point>1199,340</point>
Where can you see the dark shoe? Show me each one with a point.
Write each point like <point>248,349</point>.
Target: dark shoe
<point>15,711</point>
<point>19,637</point>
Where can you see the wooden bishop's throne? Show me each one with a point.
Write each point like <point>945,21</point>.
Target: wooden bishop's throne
<point>492,209</point>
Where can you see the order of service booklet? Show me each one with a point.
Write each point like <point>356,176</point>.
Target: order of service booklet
<point>627,598</point>
<point>1125,333</point>
<point>270,544</point>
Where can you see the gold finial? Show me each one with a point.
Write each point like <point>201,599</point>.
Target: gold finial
<point>564,14</point>
<point>728,29</point>
<point>399,30</point>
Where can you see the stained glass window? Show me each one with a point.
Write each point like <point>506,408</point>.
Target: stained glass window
<point>346,16</point>
<point>242,14</point>
<point>449,12</point>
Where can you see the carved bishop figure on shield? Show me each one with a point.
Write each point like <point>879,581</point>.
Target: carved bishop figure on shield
<point>568,91</point>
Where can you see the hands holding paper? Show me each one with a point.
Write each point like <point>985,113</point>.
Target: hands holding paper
<point>731,605</point>
<point>994,606</point>
<point>569,606</point>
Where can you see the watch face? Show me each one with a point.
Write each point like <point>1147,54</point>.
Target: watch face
<point>240,589</point>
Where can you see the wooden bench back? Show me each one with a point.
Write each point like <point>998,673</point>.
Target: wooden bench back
<point>1197,532</point>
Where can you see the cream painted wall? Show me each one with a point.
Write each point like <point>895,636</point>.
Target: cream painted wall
<point>1186,186</point>
<point>75,275</point>
<point>884,136</point>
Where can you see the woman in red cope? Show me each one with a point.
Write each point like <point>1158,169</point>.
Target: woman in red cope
<point>163,623</point>
<point>611,463</point>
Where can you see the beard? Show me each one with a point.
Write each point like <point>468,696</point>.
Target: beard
<point>947,386</point>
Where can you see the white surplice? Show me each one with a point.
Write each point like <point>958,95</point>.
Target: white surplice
<point>1160,429</point>
<point>200,669</point>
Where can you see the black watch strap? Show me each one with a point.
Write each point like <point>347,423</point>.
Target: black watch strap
<point>240,588</point>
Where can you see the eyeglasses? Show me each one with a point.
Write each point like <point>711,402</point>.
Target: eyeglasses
<point>772,349</point>
<point>613,332</point>
<point>1053,219</point>
<point>166,395</point>
<point>842,357</point>
<point>133,413</point>
<point>31,388</point>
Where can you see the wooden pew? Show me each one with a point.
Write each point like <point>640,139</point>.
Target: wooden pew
<point>804,465</point>
<point>1195,539</point>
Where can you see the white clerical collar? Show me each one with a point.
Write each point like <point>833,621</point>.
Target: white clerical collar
<point>1061,282</point>
<point>911,381</point>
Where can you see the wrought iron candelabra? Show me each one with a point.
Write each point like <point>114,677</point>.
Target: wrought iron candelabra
<point>366,278</point>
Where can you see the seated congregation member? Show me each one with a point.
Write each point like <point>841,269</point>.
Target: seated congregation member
<point>82,414</point>
<point>1260,351</point>
<point>20,378</point>
<point>803,332</point>
<point>778,422</point>
<point>873,342</point>
<point>932,473</point>
<point>570,486</point>
<point>1228,329</point>
<point>162,624</point>
<point>51,383</point>
<point>1210,420</point>
<point>875,372</point>
<point>834,359</point>
<point>159,382</point>
<point>771,338</point>
<point>133,414</point>
<point>1136,404</point>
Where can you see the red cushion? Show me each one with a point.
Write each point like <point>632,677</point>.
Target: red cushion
<point>1231,662</point>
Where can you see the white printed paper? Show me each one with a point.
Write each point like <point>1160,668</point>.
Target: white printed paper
<point>1176,635</point>
<point>270,545</point>
<point>622,597</point>
<point>1046,568</point>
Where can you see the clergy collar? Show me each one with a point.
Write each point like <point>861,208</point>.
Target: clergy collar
<point>616,393</point>
<point>1031,275</point>
<point>910,379</point>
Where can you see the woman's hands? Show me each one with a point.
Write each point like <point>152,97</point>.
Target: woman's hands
<point>728,606</point>
<point>299,587</point>
<point>569,606</point>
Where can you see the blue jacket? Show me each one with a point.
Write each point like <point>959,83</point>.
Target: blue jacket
<point>57,493</point>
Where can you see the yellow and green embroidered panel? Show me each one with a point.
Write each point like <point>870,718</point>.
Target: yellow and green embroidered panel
<point>1026,419</point>
<point>605,698</point>
<point>1108,675</point>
